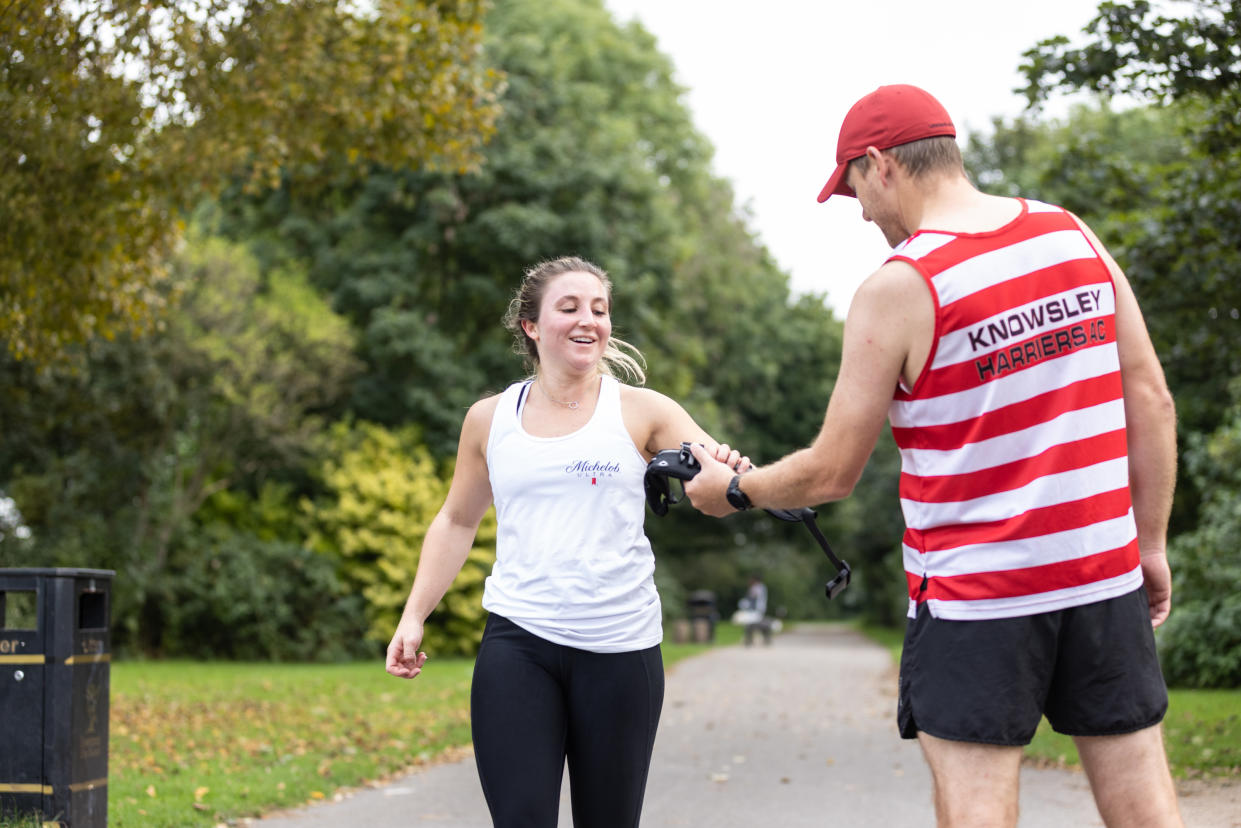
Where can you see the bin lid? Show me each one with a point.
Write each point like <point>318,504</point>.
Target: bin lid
<point>59,572</point>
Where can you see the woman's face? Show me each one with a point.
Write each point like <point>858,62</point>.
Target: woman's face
<point>574,322</point>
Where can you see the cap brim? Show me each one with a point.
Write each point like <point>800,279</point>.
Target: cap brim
<point>836,184</point>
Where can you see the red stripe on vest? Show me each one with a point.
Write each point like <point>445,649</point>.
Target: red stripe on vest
<point>1046,520</point>
<point>1009,418</point>
<point>1022,290</point>
<point>1013,583</point>
<point>1009,476</point>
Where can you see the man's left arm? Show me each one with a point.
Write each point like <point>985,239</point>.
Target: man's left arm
<point>1150,428</point>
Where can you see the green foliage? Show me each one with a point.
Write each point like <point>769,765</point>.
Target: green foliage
<point>239,597</point>
<point>115,116</point>
<point>33,820</point>
<point>273,353</point>
<point>383,491</point>
<point>1166,213</point>
<point>1142,49</point>
<point>1200,646</point>
<point>595,154</point>
<point>1097,162</point>
<point>111,459</point>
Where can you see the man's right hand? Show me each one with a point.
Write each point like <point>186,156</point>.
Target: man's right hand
<point>706,489</point>
<point>1158,577</point>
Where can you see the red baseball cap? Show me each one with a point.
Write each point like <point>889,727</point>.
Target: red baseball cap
<point>886,118</point>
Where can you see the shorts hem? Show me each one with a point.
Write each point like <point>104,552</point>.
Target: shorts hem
<point>1120,731</point>
<point>970,741</point>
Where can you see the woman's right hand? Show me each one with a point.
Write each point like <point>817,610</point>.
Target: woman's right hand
<point>404,660</point>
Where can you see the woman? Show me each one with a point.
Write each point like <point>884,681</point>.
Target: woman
<point>570,665</point>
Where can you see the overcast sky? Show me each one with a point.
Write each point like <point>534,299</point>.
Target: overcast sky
<point>769,83</point>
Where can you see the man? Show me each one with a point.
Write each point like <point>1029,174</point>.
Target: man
<point>1038,451</point>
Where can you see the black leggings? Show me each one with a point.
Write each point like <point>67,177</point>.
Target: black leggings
<point>534,703</point>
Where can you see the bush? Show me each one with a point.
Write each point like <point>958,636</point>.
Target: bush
<point>239,597</point>
<point>384,490</point>
<point>1200,645</point>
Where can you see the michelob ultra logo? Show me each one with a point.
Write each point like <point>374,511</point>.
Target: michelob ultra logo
<point>593,469</point>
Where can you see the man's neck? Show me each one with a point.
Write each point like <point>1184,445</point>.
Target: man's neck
<point>954,205</point>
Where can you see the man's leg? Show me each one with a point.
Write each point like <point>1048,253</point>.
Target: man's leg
<point>975,784</point>
<point>1109,695</point>
<point>1130,779</point>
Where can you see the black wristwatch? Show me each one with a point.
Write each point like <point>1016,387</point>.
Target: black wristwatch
<point>739,499</point>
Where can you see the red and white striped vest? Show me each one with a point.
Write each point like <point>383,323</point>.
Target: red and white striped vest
<point>1014,469</point>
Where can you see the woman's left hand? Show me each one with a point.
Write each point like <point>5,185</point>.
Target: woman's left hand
<point>732,458</point>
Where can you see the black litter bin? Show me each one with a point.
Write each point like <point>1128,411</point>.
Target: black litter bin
<point>702,615</point>
<point>55,653</point>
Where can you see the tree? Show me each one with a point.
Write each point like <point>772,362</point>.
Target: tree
<point>1104,163</point>
<point>1182,252</point>
<point>111,459</point>
<point>1135,49</point>
<point>596,155</point>
<point>115,116</point>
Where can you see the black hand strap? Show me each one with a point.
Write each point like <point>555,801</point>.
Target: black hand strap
<point>807,516</point>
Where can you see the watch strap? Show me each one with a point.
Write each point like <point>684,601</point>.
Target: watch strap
<point>739,499</point>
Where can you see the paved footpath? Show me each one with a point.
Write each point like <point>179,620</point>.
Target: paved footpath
<point>798,734</point>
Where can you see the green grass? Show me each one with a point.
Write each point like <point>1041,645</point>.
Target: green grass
<point>33,821</point>
<point>1202,733</point>
<point>725,633</point>
<point>1202,730</point>
<point>198,744</point>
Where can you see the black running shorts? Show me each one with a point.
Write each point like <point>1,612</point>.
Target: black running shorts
<point>1092,670</point>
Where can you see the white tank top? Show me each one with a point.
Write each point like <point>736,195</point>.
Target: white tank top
<point>573,564</point>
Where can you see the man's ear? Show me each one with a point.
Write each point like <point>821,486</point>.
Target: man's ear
<point>882,164</point>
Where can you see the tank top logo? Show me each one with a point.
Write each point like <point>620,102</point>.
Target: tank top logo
<point>592,469</point>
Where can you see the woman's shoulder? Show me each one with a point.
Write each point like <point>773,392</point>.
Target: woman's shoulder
<point>648,407</point>
<point>640,394</point>
<point>485,405</point>
<point>481,413</point>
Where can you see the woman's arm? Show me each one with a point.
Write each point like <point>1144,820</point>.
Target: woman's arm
<point>657,422</point>
<point>448,540</point>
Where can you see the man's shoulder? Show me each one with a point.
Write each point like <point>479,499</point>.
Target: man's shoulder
<point>894,279</point>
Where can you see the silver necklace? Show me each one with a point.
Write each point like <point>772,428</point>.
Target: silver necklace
<point>571,404</point>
